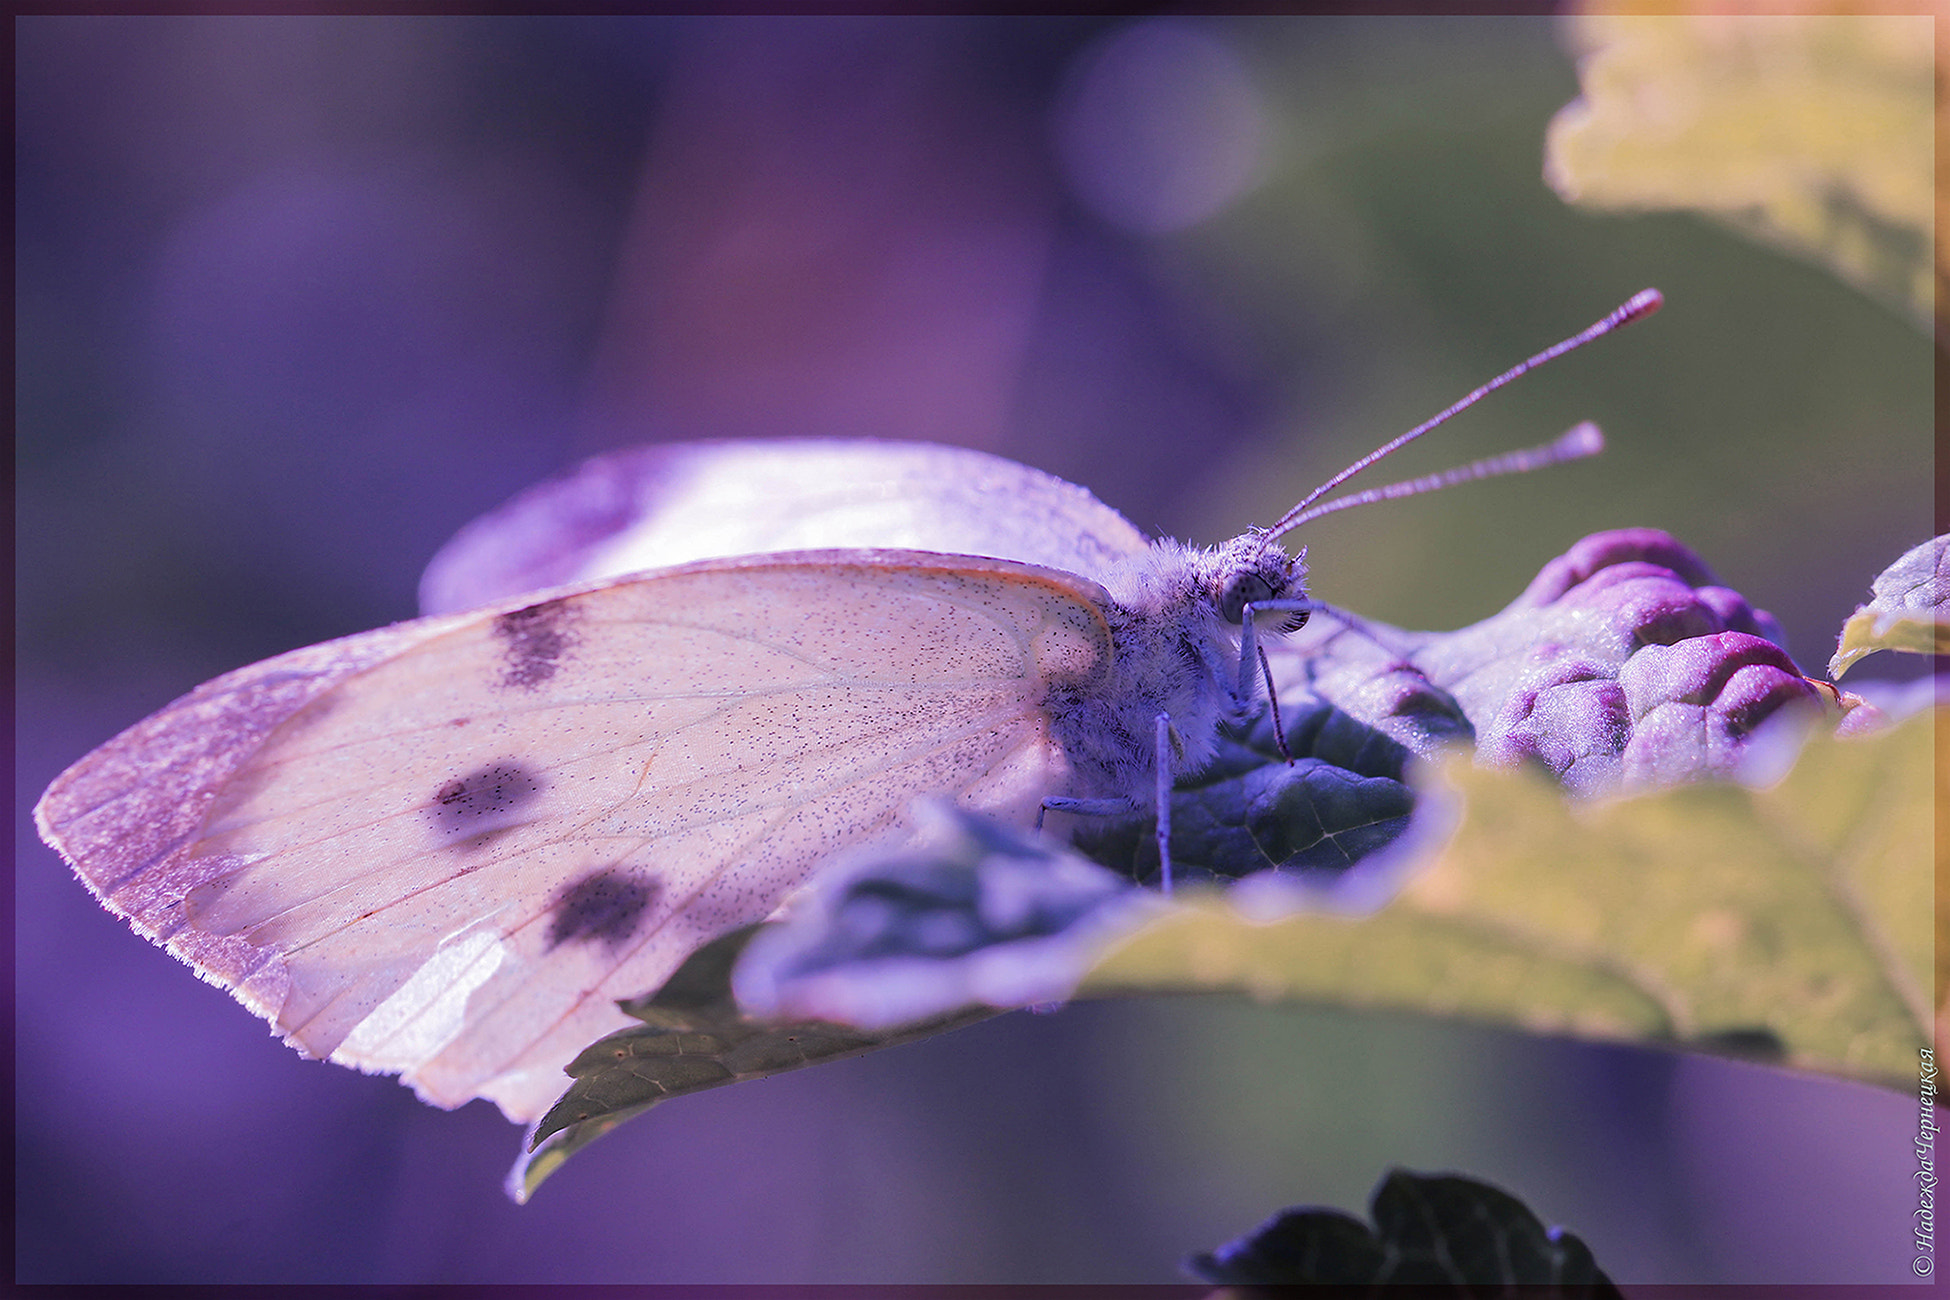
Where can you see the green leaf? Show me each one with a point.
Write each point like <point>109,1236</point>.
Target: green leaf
<point>1794,919</point>
<point>980,915</point>
<point>1811,133</point>
<point>1909,610</point>
<point>1343,797</point>
<point>693,1038</point>
<point>1428,1229</point>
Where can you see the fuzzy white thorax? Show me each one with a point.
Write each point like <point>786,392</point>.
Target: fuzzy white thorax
<point>1176,653</point>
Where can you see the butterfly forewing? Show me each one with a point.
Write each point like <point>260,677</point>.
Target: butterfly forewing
<point>673,503</point>
<point>445,848</point>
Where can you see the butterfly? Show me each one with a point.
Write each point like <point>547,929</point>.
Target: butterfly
<point>446,848</point>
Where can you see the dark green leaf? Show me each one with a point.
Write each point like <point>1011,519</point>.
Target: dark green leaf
<point>982,915</point>
<point>1429,1229</point>
<point>1342,797</point>
<point>693,1037</point>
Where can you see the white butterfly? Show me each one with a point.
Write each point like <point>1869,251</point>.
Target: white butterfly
<point>445,848</point>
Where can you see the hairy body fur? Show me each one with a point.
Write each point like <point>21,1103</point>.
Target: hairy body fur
<point>1174,624</point>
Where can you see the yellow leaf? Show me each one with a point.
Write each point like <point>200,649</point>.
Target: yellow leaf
<point>1813,132</point>
<point>1712,915</point>
<point>1909,609</point>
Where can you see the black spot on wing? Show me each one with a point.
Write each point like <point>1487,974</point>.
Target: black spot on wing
<point>467,810</point>
<point>606,906</point>
<point>535,641</point>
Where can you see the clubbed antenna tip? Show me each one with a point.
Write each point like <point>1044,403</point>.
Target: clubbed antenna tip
<point>1640,305</point>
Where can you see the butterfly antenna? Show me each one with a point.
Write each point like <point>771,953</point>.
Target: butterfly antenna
<point>1576,443</point>
<point>1639,305</point>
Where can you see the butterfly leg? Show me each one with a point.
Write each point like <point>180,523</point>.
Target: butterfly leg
<point>1273,702</point>
<point>1249,656</point>
<point>1163,767</point>
<point>1107,807</point>
<point>1352,622</point>
<point>1252,656</point>
<point>1116,807</point>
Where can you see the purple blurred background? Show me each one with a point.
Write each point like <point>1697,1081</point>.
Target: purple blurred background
<point>298,297</point>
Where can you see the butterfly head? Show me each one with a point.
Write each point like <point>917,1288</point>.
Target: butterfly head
<point>1252,569</point>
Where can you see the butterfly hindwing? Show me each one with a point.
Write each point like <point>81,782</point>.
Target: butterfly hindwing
<point>445,848</point>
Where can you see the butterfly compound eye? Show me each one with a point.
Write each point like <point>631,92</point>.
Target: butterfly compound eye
<point>1241,590</point>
